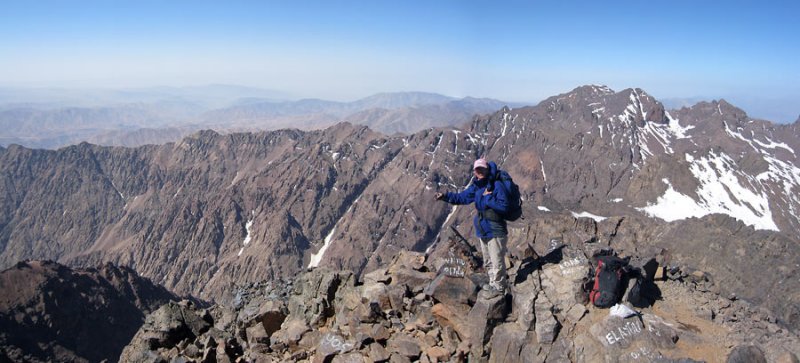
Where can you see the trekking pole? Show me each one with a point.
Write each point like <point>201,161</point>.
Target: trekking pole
<point>463,240</point>
<point>466,245</point>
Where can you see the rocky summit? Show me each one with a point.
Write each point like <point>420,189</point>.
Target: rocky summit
<point>709,190</point>
<point>419,308</point>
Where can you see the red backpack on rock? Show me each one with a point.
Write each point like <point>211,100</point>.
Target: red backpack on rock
<point>608,288</point>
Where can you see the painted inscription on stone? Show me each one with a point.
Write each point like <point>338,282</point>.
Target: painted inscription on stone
<point>555,243</point>
<point>453,265</point>
<point>645,353</point>
<point>333,342</point>
<point>572,266</point>
<point>626,331</point>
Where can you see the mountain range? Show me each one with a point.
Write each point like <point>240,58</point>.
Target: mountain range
<point>705,187</point>
<point>157,116</point>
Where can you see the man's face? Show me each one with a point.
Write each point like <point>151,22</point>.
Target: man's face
<point>480,173</point>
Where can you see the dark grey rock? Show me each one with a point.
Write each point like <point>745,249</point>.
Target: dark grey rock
<point>746,354</point>
<point>404,345</point>
<point>450,290</point>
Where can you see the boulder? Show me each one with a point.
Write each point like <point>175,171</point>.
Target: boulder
<point>165,328</point>
<point>405,345</point>
<point>588,349</point>
<point>746,354</point>
<point>451,290</point>
<point>546,324</point>
<point>377,276</point>
<point>420,317</point>
<point>331,344</point>
<point>407,260</point>
<point>378,353</point>
<point>291,332</point>
<point>575,313</point>
<point>450,340</point>
<point>399,358</point>
<point>260,318</point>
<point>314,292</point>
<point>523,301</point>
<point>563,281</point>
<point>660,333</point>
<point>787,357</point>
<point>618,334</point>
<point>256,334</point>
<point>416,281</point>
<point>483,317</point>
<point>353,357</point>
<point>507,342</point>
<point>437,354</point>
<point>632,338</point>
<point>455,318</point>
<point>378,293</point>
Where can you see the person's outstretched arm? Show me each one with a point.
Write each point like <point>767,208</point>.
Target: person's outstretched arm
<point>465,197</point>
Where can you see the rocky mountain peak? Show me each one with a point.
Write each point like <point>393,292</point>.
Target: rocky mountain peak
<point>590,106</point>
<point>429,309</point>
<point>590,91</point>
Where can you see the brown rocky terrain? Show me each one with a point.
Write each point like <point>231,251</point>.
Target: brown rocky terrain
<point>415,310</point>
<point>710,188</point>
<point>49,312</point>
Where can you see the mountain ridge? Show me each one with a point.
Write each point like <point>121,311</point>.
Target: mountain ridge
<point>126,124</point>
<point>215,209</point>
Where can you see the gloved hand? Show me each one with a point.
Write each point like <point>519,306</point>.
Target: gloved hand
<point>438,196</point>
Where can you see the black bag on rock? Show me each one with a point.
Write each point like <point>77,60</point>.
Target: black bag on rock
<point>643,293</point>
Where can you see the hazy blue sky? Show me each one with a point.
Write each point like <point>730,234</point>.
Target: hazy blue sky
<point>344,50</point>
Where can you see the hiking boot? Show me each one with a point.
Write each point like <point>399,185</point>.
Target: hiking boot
<point>489,292</point>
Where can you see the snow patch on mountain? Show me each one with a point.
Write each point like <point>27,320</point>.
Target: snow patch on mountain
<point>317,257</point>
<point>247,238</point>
<point>770,144</point>
<point>676,129</point>
<point>786,175</point>
<point>664,134</point>
<point>673,206</point>
<point>588,215</point>
<point>720,191</point>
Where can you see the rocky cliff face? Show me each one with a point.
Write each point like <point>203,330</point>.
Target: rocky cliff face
<point>417,310</point>
<point>613,168</point>
<point>49,312</point>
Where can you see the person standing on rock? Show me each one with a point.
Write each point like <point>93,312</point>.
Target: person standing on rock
<point>490,200</point>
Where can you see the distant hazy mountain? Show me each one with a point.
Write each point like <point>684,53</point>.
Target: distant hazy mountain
<point>402,112</point>
<point>778,110</point>
<point>206,97</point>
<point>408,120</point>
<point>676,103</point>
<point>38,118</point>
<point>51,128</point>
<point>400,100</point>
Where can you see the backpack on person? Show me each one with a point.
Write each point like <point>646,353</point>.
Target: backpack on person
<point>608,284</point>
<point>513,195</point>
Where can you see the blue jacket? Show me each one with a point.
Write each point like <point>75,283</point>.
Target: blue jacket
<point>487,224</point>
